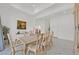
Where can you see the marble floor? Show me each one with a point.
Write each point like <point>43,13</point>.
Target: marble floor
<point>60,47</point>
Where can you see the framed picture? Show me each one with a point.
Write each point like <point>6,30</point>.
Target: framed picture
<point>21,24</point>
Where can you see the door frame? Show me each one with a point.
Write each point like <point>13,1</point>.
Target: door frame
<point>76,26</point>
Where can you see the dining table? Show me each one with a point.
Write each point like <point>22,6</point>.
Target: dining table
<point>26,40</point>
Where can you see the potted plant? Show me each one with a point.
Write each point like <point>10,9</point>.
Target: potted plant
<point>5,29</point>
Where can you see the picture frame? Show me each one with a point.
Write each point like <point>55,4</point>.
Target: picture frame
<point>21,24</point>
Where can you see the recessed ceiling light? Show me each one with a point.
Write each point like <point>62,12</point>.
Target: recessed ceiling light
<point>64,12</point>
<point>34,5</point>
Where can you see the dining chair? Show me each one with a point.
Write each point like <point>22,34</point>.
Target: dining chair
<point>6,41</point>
<point>14,47</point>
<point>44,41</point>
<point>49,40</point>
<point>37,48</point>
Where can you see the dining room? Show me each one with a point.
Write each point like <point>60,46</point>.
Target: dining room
<point>37,29</point>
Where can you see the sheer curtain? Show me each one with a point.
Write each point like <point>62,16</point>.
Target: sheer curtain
<point>1,37</point>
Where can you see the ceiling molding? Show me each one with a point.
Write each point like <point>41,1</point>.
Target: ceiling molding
<point>32,8</point>
<point>52,9</point>
<point>58,8</point>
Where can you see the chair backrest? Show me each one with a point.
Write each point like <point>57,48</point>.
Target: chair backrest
<point>10,41</point>
<point>50,36</point>
<point>39,41</point>
<point>45,36</point>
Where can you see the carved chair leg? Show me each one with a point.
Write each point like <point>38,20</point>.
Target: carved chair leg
<point>24,50</point>
<point>13,51</point>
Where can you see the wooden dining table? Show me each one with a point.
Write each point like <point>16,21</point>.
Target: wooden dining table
<point>26,40</point>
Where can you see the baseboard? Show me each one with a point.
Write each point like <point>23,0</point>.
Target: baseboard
<point>61,38</point>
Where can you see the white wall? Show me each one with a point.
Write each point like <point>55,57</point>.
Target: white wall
<point>44,23</point>
<point>62,24</point>
<point>9,17</point>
